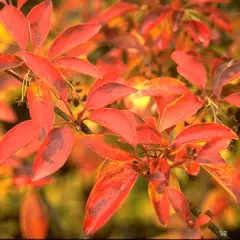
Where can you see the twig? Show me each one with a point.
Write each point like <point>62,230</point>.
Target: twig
<point>221,234</point>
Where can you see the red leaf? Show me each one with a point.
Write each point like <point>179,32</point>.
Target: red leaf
<point>233,99</point>
<point>192,168</point>
<point>152,19</point>
<point>116,121</point>
<point>189,105</point>
<point>220,19</point>
<point>179,203</point>
<point>227,177</point>
<point>44,68</point>
<point>160,204</point>
<point>3,1</point>
<point>203,131</point>
<point>224,74</point>
<point>148,135</point>
<point>53,152</point>
<point>107,94</point>
<point>113,11</point>
<point>16,138</point>
<point>209,154</point>
<point>71,38</point>
<point>108,78</point>
<point>202,220</point>
<point>98,145</point>
<point>20,3</point>
<point>190,68</point>
<point>6,113</point>
<point>15,22</point>
<point>8,62</point>
<point>199,31</point>
<point>78,65</point>
<point>39,19</point>
<point>33,216</point>
<point>134,118</point>
<point>41,108</point>
<point>109,191</point>
<point>207,1</point>
<point>163,86</point>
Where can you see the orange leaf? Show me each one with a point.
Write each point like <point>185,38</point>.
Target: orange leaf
<point>233,99</point>
<point>202,220</point>
<point>20,3</point>
<point>16,138</point>
<point>78,65</point>
<point>44,68</point>
<point>163,86</point>
<point>203,131</point>
<point>199,31</point>
<point>189,105</point>
<point>190,68</point>
<point>53,152</point>
<point>107,94</point>
<point>148,135</point>
<point>116,121</point>
<point>192,168</point>
<point>41,108</point>
<point>110,190</point>
<point>179,203</point>
<point>33,216</point>
<point>160,204</point>
<point>98,145</point>
<point>71,38</point>
<point>207,1</point>
<point>39,19</point>
<point>8,62</point>
<point>113,11</point>
<point>16,23</point>
<point>227,177</point>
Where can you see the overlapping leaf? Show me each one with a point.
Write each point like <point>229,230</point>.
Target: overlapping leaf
<point>116,121</point>
<point>77,65</point>
<point>190,68</point>
<point>203,132</point>
<point>8,62</point>
<point>233,99</point>
<point>45,69</point>
<point>98,145</point>
<point>41,108</point>
<point>71,38</point>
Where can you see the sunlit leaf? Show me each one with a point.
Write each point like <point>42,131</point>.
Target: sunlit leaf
<point>233,99</point>
<point>179,203</point>
<point>39,19</point>
<point>77,65</point>
<point>203,131</point>
<point>15,22</point>
<point>109,191</point>
<point>192,168</point>
<point>116,121</point>
<point>71,38</point>
<point>45,69</point>
<point>189,105</point>
<point>190,68</point>
<point>16,138</point>
<point>160,204</point>
<point>98,145</point>
<point>227,177</point>
<point>107,94</point>
<point>53,152</point>
<point>41,108</point>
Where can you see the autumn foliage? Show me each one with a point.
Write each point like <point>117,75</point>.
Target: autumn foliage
<point>140,83</point>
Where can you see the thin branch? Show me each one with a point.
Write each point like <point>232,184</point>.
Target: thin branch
<point>221,234</point>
